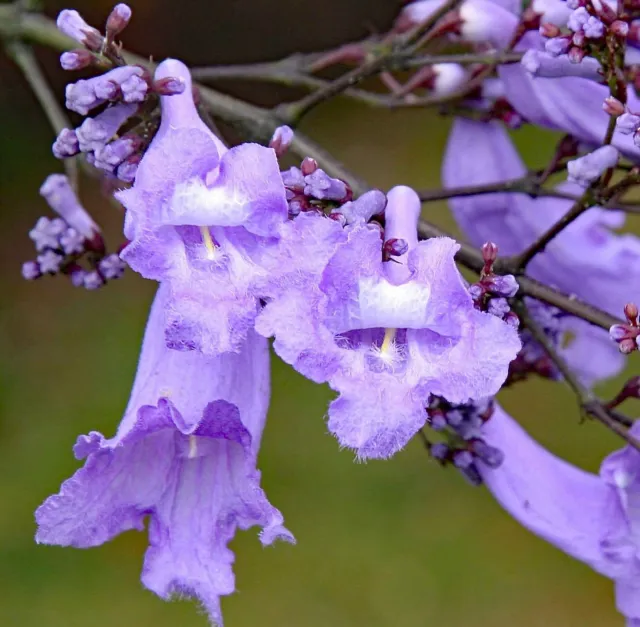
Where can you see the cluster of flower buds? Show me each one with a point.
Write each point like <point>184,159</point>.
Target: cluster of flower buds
<point>126,95</point>
<point>464,446</point>
<point>593,28</point>
<point>627,335</point>
<point>627,123</point>
<point>309,188</point>
<point>63,243</point>
<point>491,292</point>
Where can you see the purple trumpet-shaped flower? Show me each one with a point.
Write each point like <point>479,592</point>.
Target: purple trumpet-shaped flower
<point>586,259</point>
<point>73,25</point>
<point>201,217</point>
<point>185,456</point>
<point>66,144</point>
<point>386,335</point>
<point>570,104</point>
<point>591,518</point>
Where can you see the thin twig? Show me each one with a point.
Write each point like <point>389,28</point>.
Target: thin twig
<point>589,403</point>
<point>28,64</point>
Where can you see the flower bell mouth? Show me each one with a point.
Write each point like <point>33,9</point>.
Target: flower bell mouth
<point>208,242</point>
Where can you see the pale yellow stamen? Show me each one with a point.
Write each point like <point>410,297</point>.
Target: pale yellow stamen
<point>208,242</point>
<point>389,337</point>
<point>193,446</point>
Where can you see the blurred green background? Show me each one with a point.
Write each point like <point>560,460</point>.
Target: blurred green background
<point>400,543</point>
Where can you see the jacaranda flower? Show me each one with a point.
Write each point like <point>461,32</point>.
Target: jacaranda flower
<point>587,259</point>
<point>200,217</point>
<point>592,518</point>
<point>185,457</point>
<point>388,334</point>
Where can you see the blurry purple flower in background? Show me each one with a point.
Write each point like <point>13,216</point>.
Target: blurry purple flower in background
<point>586,259</point>
<point>185,456</point>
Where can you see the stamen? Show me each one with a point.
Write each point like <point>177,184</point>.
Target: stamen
<point>389,337</point>
<point>193,446</point>
<point>208,242</point>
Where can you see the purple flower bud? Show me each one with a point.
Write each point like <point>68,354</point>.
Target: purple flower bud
<point>455,417</point>
<point>618,332</point>
<point>439,451</point>
<point>627,123</point>
<point>169,86</point>
<point>438,422</point>
<point>50,262</point>
<point>462,459</point>
<point>76,59</point>
<point>109,157</point>
<point>112,267</point>
<point>594,28</point>
<point>576,55</point>
<point>587,169</point>
<point>631,312</point>
<point>66,144</point>
<point>490,455</point>
<point>31,270</point>
<point>395,247</point>
<point>505,285</point>
<point>84,95</point>
<point>613,107</point>
<point>361,210</point>
<point>476,291</point>
<point>281,140</point>
<point>71,24</point>
<point>619,28</point>
<point>71,241</point>
<point>77,277</point>
<point>498,307</point>
<point>117,20</point>
<point>578,19</point>
<point>128,169</point>
<point>512,320</point>
<point>293,179</point>
<point>46,233</point>
<point>557,46</point>
<point>471,474</point>
<point>308,166</point>
<point>94,133</point>
<point>59,195</point>
<point>321,186</point>
<point>628,346</point>
<point>92,281</point>
<point>295,207</point>
<point>135,89</point>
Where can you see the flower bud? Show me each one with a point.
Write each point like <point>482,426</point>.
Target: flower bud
<point>169,86</point>
<point>281,140</point>
<point>631,312</point>
<point>308,166</point>
<point>612,106</point>
<point>619,28</point>
<point>76,59</point>
<point>117,20</point>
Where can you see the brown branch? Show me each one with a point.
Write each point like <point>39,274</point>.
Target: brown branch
<point>589,403</point>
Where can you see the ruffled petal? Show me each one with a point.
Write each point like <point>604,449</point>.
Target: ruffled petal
<point>247,191</point>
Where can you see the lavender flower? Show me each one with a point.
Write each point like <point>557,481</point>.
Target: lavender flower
<point>363,208</point>
<point>586,259</point>
<point>112,267</point>
<point>321,186</point>
<point>31,270</point>
<point>184,455</point>
<point>110,156</point>
<point>587,169</point>
<point>57,191</point>
<point>49,262</point>
<point>201,217</point>
<point>591,518</point>
<point>92,280</point>
<point>386,335</point>
<point>72,242</point>
<point>46,233</point>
